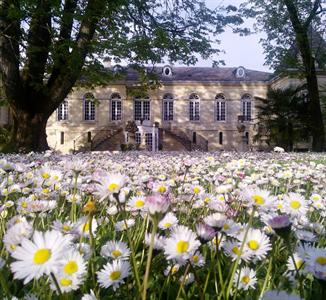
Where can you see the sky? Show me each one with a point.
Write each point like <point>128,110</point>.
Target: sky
<point>239,51</point>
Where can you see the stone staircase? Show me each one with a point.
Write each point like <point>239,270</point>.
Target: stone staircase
<point>182,138</point>
<point>103,136</point>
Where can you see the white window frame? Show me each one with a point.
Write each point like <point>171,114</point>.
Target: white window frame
<point>62,111</point>
<point>220,111</point>
<point>143,114</point>
<point>194,108</point>
<point>89,108</point>
<point>115,111</point>
<point>246,107</point>
<point>168,107</point>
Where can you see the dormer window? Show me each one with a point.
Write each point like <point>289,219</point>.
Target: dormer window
<point>240,72</point>
<point>167,71</point>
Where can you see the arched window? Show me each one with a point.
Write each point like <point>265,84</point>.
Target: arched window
<point>62,111</point>
<point>168,107</point>
<point>167,71</point>
<point>194,107</point>
<point>116,107</point>
<point>89,107</point>
<point>142,108</point>
<point>246,107</point>
<point>220,107</point>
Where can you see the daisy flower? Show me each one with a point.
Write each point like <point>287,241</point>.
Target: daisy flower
<point>90,296</point>
<point>42,255</point>
<point>110,184</point>
<point>296,204</point>
<point>197,259</point>
<point>317,260</point>
<point>171,269</point>
<point>257,243</point>
<point>73,264</point>
<point>182,244</point>
<point>298,263</point>
<point>216,220</point>
<point>245,278</point>
<point>66,283</point>
<point>157,203</point>
<point>168,221</point>
<point>115,250</point>
<point>113,274</point>
<point>232,249</point>
<point>257,197</point>
<point>124,225</point>
<point>136,203</point>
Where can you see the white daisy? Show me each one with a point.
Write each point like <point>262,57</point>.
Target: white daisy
<point>168,222</point>
<point>257,243</point>
<point>245,278</point>
<point>73,264</point>
<point>115,250</point>
<point>182,244</point>
<point>296,204</point>
<point>42,255</point>
<point>66,283</point>
<point>113,274</point>
<point>136,203</point>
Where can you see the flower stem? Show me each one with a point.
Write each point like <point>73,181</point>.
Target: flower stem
<point>56,284</point>
<point>149,257</point>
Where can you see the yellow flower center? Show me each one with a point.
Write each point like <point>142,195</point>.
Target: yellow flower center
<point>182,246</point>
<point>46,175</point>
<point>195,259</point>
<point>66,227</point>
<point>86,227</point>
<point>207,199</point>
<point>13,246</point>
<point>24,204</point>
<point>236,250</point>
<point>167,225</point>
<point>45,191</point>
<point>321,260</point>
<point>161,189</point>
<point>113,186</point>
<point>226,226</point>
<point>259,200</point>
<point>115,275</point>
<point>295,204</point>
<point>253,245</point>
<point>41,256</point>
<point>174,270</point>
<point>221,198</point>
<point>196,190</point>
<point>139,203</point>
<point>70,267</point>
<point>65,282</point>
<point>299,264</point>
<point>279,206</point>
<point>245,279</point>
<point>116,253</point>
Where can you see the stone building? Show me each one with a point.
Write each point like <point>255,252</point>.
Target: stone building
<point>194,108</point>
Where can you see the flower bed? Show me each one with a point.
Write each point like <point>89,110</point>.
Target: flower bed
<point>163,226</point>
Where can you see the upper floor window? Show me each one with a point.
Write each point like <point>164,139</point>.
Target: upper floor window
<point>116,107</point>
<point>89,107</point>
<point>142,108</point>
<point>246,101</point>
<point>220,107</point>
<point>194,107</point>
<point>168,107</point>
<point>62,111</point>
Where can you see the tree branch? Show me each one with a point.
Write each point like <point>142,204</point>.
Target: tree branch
<point>39,41</point>
<point>313,13</point>
<point>67,77</point>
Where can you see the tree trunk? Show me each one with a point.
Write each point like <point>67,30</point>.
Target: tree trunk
<point>317,125</point>
<point>29,131</point>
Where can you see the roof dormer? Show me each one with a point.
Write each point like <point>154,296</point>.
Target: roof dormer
<point>167,71</point>
<point>240,72</point>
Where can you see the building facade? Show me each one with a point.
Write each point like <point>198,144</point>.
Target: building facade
<point>193,109</point>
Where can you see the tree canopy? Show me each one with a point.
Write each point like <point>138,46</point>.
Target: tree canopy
<point>288,25</point>
<point>47,45</point>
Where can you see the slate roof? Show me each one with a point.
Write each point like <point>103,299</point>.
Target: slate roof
<point>204,74</point>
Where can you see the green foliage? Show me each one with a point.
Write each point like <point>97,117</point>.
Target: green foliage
<point>283,117</point>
